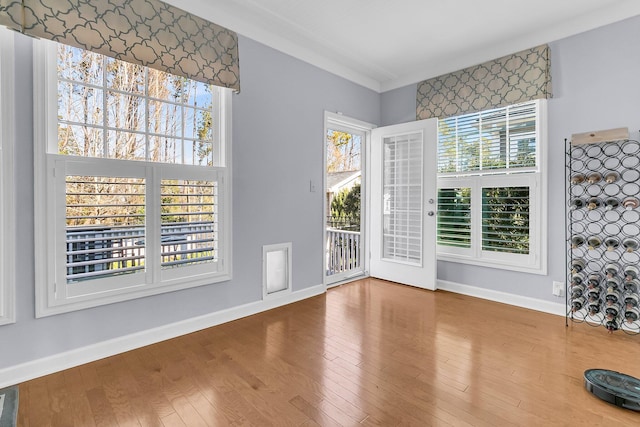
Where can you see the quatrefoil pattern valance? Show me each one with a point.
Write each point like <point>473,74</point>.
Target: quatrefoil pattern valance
<point>145,32</point>
<point>512,79</point>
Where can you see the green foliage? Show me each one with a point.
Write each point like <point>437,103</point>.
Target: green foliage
<point>505,219</point>
<point>345,209</point>
<point>454,217</point>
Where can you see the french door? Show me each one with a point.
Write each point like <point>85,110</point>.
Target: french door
<point>403,203</point>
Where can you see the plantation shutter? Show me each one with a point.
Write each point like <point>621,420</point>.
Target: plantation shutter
<point>505,219</point>
<point>512,79</point>
<point>150,33</point>
<point>493,140</point>
<point>454,217</point>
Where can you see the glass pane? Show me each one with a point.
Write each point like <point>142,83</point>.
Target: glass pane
<point>124,76</point>
<point>165,118</point>
<point>454,217</point>
<point>402,198</point>
<point>125,111</point>
<point>505,219</point>
<point>502,138</point>
<point>86,141</point>
<point>79,103</point>
<point>143,109</point>
<point>126,145</point>
<point>198,94</point>
<point>188,222</point>
<point>198,124</point>
<point>493,132</point>
<point>166,87</point>
<point>165,150</point>
<point>105,220</point>
<point>79,65</point>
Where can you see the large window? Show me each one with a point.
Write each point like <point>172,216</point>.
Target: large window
<point>7,206</point>
<point>134,194</point>
<point>491,188</point>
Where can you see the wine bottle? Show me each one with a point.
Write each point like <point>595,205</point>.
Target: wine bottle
<point>632,314</point>
<point>594,242</point>
<point>613,283</point>
<point>594,307</point>
<point>632,286</point>
<point>576,204</point>
<point>577,291</point>
<point>594,178</point>
<point>629,244</point>
<point>611,177</point>
<point>631,300</point>
<point>594,203</point>
<point>577,304</point>
<point>577,265</point>
<point>577,179</point>
<point>630,203</point>
<point>612,269</point>
<point>612,311</point>
<point>630,273</point>
<point>578,279</point>
<point>612,243</point>
<point>611,203</point>
<point>612,297</point>
<point>594,294</point>
<point>612,325</point>
<point>594,280</point>
<point>577,241</point>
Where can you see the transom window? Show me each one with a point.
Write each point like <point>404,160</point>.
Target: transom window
<point>490,192</point>
<point>138,180</point>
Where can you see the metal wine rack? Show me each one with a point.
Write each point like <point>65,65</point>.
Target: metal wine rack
<point>603,234</point>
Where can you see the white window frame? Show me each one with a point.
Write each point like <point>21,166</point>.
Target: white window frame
<point>536,261</point>
<point>7,194</point>
<point>53,294</point>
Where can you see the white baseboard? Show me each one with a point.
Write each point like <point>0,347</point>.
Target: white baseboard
<point>58,362</point>
<point>503,297</point>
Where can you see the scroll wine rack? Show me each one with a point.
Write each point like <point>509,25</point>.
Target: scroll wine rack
<point>603,234</point>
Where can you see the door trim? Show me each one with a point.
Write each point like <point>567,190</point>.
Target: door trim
<point>344,122</point>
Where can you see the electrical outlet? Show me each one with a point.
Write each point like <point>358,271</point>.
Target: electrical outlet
<point>558,288</point>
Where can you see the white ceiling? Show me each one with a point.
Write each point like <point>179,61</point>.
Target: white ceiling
<point>385,44</point>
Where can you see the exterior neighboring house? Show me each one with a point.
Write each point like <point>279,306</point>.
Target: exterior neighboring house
<point>338,181</point>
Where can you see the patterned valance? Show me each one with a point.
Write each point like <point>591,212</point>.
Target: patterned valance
<point>145,32</point>
<point>521,77</point>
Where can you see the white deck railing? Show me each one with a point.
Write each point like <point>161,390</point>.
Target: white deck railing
<point>343,251</point>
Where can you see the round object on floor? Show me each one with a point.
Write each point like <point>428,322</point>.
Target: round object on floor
<point>613,387</point>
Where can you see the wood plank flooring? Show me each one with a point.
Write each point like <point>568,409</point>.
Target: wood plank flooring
<point>365,353</point>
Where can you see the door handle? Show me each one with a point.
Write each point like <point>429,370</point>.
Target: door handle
<point>431,213</point>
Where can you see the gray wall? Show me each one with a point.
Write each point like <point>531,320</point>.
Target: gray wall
<point>277,149</point>
<point>596,85</point>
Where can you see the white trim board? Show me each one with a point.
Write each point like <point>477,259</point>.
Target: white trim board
<point>79,356</point>
<point>558,309</point>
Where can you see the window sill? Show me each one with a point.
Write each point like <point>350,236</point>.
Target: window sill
<point>488,263</point>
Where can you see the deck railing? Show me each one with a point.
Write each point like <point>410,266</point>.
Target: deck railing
<point>343,249</point>
<point>98,251</point>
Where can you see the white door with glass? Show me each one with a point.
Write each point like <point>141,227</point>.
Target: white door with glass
<point>403,203</point>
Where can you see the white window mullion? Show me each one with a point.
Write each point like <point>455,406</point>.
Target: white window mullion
<point>153,226</point>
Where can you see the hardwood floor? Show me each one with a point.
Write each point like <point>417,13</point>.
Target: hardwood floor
<point>369,353</point>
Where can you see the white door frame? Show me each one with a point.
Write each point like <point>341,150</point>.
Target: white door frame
<point>340,122</point>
